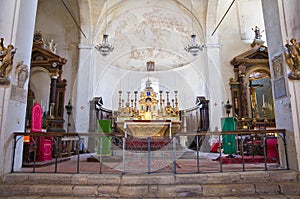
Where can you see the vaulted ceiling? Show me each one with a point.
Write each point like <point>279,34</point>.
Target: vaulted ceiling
<point>145,30</point>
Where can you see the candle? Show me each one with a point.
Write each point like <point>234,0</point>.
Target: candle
<point>263,103</point>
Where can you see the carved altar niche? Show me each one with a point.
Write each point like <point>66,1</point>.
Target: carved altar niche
<point>251,92</point>
<point>44,61</point>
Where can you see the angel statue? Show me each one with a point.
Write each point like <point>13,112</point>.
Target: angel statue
<point>7,61</point>
<point>292,58</point>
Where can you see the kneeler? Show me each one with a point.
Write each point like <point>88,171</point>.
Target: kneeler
<point>104,126</point>
<point>229,142</point>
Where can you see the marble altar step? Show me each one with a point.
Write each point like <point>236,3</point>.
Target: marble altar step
<point>259,184</point>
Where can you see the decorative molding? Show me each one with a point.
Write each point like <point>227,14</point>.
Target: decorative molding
<point>212,45</point>
<point>85,46</point>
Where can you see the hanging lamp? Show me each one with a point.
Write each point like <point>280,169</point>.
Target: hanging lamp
<point>105,48</point>
<point>194,48</point>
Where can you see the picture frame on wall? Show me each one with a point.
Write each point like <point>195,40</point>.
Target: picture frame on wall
<point>279,88</point>
<point>277,64</point>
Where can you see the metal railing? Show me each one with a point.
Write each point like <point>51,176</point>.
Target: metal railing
<point>158,155</point>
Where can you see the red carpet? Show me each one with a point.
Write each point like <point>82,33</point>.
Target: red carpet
<point>247,159</point>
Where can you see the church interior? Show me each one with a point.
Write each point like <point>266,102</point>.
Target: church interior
<point>170,86</point>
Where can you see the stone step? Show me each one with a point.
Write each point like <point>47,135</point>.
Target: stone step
<point>151,186</point>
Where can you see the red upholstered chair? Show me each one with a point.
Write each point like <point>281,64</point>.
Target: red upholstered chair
<point>272,147</point>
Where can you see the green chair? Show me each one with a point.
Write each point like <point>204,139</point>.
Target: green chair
<point>104,126</point>
<point>229,142</point>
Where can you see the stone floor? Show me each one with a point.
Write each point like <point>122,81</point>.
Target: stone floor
<point>275,196</point>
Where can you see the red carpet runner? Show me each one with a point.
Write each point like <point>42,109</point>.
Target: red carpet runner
<point>247,159</point>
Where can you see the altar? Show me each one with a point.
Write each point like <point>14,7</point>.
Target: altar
<point>148,128</point>
<point>148,116</point>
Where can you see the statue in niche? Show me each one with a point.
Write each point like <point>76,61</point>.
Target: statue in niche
<point>292,58</point>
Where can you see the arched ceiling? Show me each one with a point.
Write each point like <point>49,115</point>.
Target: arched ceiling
<point>144,30</point>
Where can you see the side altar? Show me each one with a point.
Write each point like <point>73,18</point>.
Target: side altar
<point>153,118</point>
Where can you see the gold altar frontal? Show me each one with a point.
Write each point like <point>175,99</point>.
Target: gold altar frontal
<point>148,128</point>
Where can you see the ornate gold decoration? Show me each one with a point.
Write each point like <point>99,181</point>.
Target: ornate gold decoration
<point>152,118</point>
<point>6,58</point>
<point>292,58</point>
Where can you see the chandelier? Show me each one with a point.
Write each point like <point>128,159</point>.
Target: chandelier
<point>194,48</point>
<point>105,47</point>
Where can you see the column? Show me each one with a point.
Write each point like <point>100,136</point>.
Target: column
<point>83,89</point>
<point>243,92</point>
<point>52,99</point>
<point>216,86</point>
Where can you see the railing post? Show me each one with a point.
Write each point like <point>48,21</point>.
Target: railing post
<point>220,152</point>
<point>170,131</point>
<point>285,151</point>
<point>56,153</point>
<point>78,155</point>
<point>174,154</point>
<point>34,154</point>
<point>198,163</point>
<point>123,162</point>
<point>243,159</point>
<point>265,152</point>
<point>14,153</point>
<point>100,154</point>
<point>149,156</point>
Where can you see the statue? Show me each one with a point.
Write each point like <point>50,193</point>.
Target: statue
<point>22,74</point>
<point>292,58</point>
<point>52,46</point>
<point>257,32</point>
<point>257,39</point>
<point>3,50</point>
<point>6,58</point>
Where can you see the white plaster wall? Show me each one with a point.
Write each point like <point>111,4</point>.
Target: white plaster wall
<point>17,28</point>
<point>235,33</point>
<point>187,81</point>
<point>54,22</point>
<point>231,38</point>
